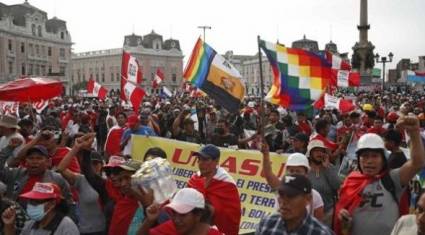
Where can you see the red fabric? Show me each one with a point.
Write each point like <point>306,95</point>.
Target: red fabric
<point>28,89</point>
<point>65,119</point>
<point>130,72</point>
<point>113,140</point>
<point>96,89</point>
<point>112,191</point>
<point>60,154</point>
<point>168,228</point>
<point>328,143</point>
<point>224,197</point>
<point>30,183</point>
<point>123,215</point>
<point>305,127</point>
<point>378,131</point>
<point>342,131</point>
<point>350,195</point>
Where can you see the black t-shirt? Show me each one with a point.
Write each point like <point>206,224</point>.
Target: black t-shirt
<point>224,141</point>
<point>396,160</point>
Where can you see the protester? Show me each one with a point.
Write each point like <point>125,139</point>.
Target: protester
<point>47,211</point>
<point>292,218</point>
<point>113,140</point>
<point>9,129</point>
<point>413,224</point>
<point>323,176</point>
<point>188,212</point>
<point>369,197</point>
<point>129,209</point>
<point>297,164</point>
<point>20,215</point>
<point>135,127</point>
<point>219,189</point>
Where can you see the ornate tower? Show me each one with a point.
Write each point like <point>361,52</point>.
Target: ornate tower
<point>363,56</point>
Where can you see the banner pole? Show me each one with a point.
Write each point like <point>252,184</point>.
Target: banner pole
<point>262,117</point>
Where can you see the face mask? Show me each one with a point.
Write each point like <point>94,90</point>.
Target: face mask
<point>36,212</point>
<point>219,131</point>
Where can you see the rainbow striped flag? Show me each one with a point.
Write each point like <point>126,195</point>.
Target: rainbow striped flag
<point>300,77</point>
<point>215,76</point>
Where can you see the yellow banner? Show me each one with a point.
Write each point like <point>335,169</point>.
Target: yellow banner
<point>245,166</point>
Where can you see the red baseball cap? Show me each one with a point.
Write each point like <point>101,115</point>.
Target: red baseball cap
<point>133,120</point>
<point>42,191</point>
<point>114,161</point>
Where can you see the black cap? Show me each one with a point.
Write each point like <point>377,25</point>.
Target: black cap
<point>301,137</point>
<point>294,185</point>
<point>157,152</point>
<point>38,149</point>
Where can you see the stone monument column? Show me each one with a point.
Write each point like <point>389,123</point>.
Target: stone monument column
<point>363,56</point>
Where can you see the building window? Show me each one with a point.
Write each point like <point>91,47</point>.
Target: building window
<point>43,70</point>
<point>118,77</point>
<point>31,49</point>
<point>37,50</point>
<point>174,77</point>
<point>23,69</point>
<point>62,70</point>
<point>49,51</point>
<point>10,67</point>
<point>39,31</point>
<point>62,53</point>
<point>10,45</point>
<point>43,51</point>
<point>33,29</point>
<point>22,47</point>
<point>97,77</point>
<point>62,35</point>
<point>112,77</point>
<point>50,69</point>
<point>103,77</point>
<point>30,69</point>
<point>37,69</point>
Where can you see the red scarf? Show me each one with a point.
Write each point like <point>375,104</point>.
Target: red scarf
<point>223,195</point>
<point>350,195</point>
<point>168,228</point>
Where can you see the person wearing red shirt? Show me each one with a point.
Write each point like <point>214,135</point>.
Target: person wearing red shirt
<point>128,210</point>
<point>187,210</point>
<point>113,140</point>
<point>344,130</point>
<point>377,127</point>
<point>303,124</point>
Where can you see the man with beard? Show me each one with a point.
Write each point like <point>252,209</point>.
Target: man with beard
<point>323,176</point>
<point>292,218</point>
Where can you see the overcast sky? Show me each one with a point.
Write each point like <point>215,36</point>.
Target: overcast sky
<point>396,25</point>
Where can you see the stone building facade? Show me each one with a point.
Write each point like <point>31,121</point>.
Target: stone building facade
<point>33,45</point>
<point>150,50</point>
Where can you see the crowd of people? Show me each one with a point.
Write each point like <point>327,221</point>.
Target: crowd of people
<point>68,169</point>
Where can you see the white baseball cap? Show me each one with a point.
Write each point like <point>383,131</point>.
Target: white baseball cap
<point>186,200</point>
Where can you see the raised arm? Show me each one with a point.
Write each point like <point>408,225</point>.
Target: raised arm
<point>271,178</point>
<point>417,154</point>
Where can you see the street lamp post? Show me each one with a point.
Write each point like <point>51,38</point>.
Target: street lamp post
<point>384,60</point>
<point>204,27</point>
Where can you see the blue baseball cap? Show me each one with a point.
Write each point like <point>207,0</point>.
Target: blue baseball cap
<point>208,151</point>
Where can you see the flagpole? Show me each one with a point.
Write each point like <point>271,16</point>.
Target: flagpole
<point>262,118</point>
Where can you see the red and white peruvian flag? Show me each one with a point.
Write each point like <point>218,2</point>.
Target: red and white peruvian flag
<point>345,78</point>
<point>40,105</point>
<point>159,76</point>
<point>9,108</point>
<point>131,72</point>
<point>96,89</point>
<point>134,94</point>
<point>343,105</point>
<point>337,62</point>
